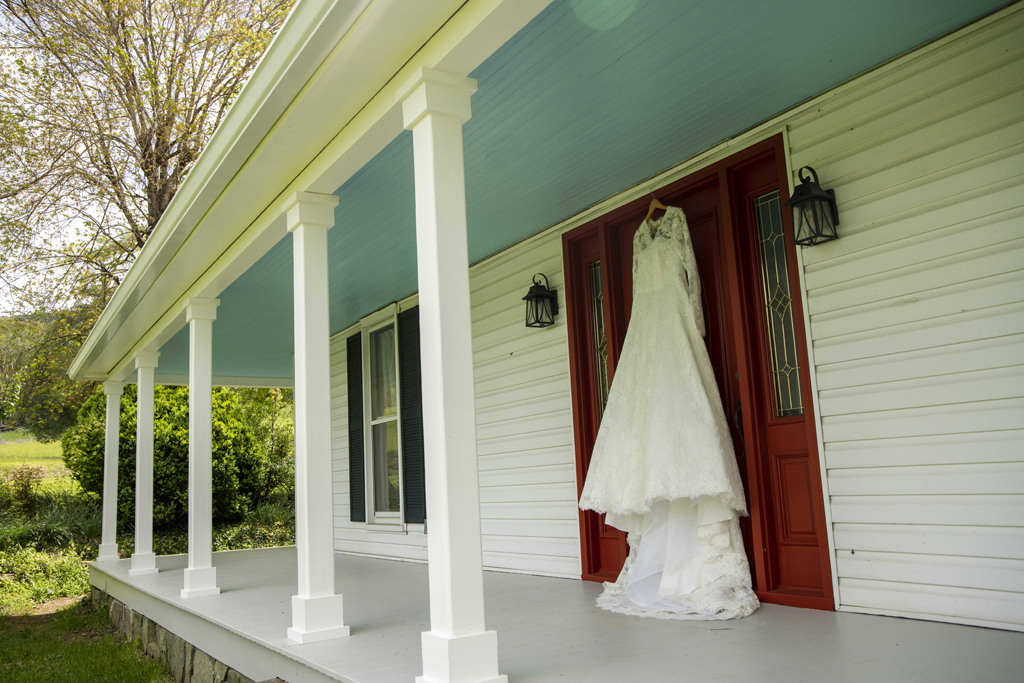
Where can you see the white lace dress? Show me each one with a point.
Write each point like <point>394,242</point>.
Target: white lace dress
<point>663,467</point>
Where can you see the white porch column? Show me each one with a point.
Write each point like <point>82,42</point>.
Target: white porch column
<point>143,559</point>
<point>458,648</point>
<point>200,575</point>
<point>317,612</point>
<point>108,540</point>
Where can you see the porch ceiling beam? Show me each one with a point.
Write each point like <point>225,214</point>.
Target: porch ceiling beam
<point>243,219</point>
<point>227,381</point>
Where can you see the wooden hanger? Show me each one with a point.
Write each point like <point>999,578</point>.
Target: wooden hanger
<point>655,205</point>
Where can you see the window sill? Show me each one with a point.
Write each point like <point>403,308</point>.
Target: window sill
<point>386,527</point>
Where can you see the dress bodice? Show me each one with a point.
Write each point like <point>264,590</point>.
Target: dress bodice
<point>663,257</point>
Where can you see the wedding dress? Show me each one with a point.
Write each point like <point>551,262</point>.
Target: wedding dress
<point>663,467</point>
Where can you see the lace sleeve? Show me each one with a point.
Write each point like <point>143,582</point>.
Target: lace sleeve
<point>682,235</point>
<point>693,282</point>
<point>638,246</point>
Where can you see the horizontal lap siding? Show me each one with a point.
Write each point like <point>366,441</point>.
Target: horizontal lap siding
<point>524,428</point>
<point>917,322</point>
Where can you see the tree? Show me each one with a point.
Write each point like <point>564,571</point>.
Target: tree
<point>104,107</point>
<point>269,416</point>
<point>18,338</point>
<point>48,400</point>
<point>109,105</point>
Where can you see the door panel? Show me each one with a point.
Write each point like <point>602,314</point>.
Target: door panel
<point>604,548</point>
<point>750,296</point>
<point>791,511</point>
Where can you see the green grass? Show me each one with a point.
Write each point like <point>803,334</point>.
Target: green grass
<point>15,435</point>
<point>19,448</point>
<point>72,644</point>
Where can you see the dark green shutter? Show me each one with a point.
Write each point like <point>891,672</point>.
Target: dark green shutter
<point>412,415</point>
<point>356,455</point>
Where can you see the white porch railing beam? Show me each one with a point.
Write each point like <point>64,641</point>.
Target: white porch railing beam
<point>317,612</point>
<point>200,575</point>
<point>458,648</point>
<point>143,559</point>
<point>108,539</point>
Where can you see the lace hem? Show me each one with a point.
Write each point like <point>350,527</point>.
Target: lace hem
<point>729,596</point>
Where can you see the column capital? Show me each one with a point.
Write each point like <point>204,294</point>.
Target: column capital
<point>113,388</point>
<point>146,359</point>
<point>310,208</point>
<point>431,91</point>
<point>199,308</point>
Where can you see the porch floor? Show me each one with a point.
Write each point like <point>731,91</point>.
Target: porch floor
<point>548,630</point>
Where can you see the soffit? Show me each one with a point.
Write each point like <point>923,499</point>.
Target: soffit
<point>588,99</point>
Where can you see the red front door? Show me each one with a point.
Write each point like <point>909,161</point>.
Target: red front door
<point>603,547</point>
<point>755,342</point>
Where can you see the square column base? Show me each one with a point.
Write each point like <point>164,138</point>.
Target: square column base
<point>463,659</point>
<point>316,619</point>
<point>199,582</point>
<point>108,552</point>
<point>143,563</point>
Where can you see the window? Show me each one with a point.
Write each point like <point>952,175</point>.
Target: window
<point>386,485</point>
<point>382,387</point>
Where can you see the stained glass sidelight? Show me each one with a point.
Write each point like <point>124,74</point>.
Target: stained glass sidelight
<point>778,306</point>
<point>600,338</point>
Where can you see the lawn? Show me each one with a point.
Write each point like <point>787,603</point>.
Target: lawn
<point>68,640</point>
<point>19,448</point>
<point>48,528</point>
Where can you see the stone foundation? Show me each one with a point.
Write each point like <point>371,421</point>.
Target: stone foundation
<point>188,663</point>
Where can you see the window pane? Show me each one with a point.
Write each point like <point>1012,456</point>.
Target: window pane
<point>386,491</point>
<point>778,306</point>
<point>383,374</point>
<point>600,338</point>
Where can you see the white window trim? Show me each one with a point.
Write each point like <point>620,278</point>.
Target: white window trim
<point>381,521</point>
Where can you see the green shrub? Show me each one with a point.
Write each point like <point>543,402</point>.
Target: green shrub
<point>27,575</point>
<point>22,484</point>
<point>243,477</point>
<point>245,535</point>
<point>60,516</point>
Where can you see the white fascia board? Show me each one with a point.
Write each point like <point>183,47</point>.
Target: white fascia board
<point>351,93</point>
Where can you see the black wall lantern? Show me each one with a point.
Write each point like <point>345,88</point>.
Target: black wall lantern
<point>815,214</point>
<point>541,303</point>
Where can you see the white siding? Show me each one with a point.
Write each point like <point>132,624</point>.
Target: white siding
<point>524,428</point>
<point>917,321</point>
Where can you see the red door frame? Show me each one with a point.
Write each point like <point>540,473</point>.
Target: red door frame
<point>736,282</point>
<point>578,250</point>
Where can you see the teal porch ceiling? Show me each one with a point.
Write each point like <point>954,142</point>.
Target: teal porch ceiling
<point>591,97</point>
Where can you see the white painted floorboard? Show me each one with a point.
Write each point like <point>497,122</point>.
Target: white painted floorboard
<point>548,630</point>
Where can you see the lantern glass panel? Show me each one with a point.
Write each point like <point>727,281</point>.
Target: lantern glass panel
<point>538,312</point>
